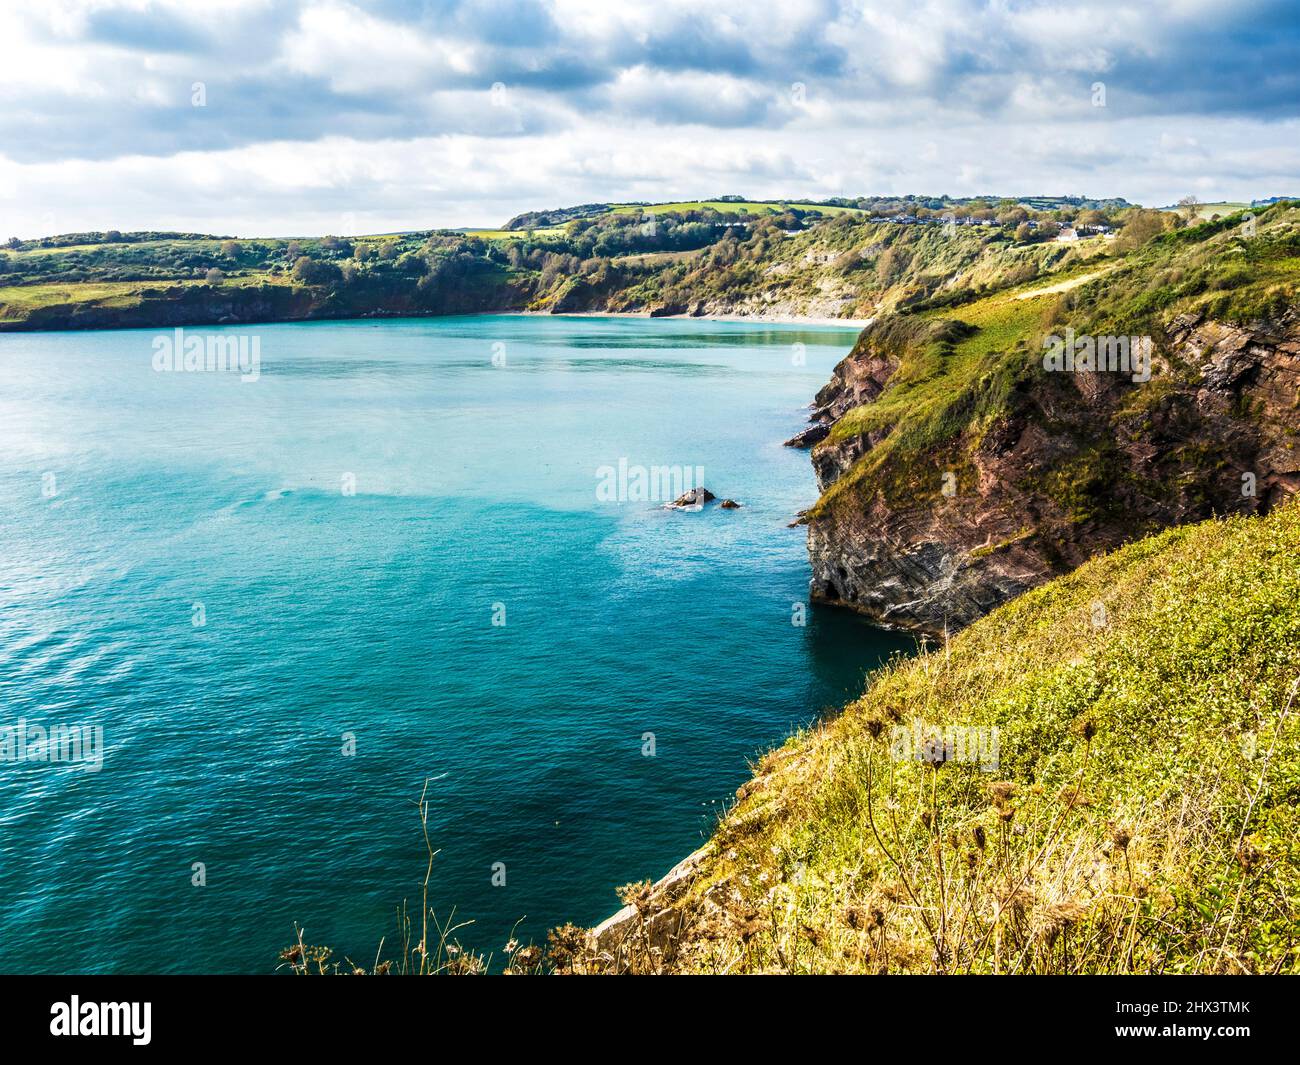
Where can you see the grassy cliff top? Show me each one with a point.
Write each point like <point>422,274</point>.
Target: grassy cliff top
<point>963,357</point>
<point>1142,815</point>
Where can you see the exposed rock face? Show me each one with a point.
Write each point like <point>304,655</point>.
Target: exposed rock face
<point>858,379</point>
<point>1259,366</point>
<point>917,575</point>
<point>655,924</point>
<point>814,434</point>
<point>1081,463</point>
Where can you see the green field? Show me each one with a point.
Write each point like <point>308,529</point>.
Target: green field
<point>29,297</point>
<point>18,301</point>
<point>1223,208</point>
<point>513,234</point>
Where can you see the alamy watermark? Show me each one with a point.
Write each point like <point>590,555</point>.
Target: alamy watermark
<point>936,744</point>
<point>115,1019</point>
<point>240,353</point>
<point>630,483</point>
<point>25,741</point>
<point>1089,354</point>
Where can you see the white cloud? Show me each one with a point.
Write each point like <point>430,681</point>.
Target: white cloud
<point>358,53</point>
<point>321,108</point>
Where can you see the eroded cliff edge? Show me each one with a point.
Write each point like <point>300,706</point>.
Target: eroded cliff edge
<point>957,472</point>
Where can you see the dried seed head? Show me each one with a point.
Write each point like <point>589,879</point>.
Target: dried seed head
<point>636,894</point>
<point>1002,790</point>
<point>1052,920</point>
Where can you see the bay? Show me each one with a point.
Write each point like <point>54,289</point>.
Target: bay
<point>295,602</point>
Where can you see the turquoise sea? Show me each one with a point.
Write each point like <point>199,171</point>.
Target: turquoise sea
<point>291,602</point>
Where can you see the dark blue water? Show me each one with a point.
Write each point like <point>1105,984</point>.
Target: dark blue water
<point>133,503</point>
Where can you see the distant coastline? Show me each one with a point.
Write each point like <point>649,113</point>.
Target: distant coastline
<point>82,320</point>
<point>771,319</point>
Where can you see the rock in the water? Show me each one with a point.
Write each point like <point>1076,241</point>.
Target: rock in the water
<point>693,500</point>
<point>812,435</point>
<point>729,504</point>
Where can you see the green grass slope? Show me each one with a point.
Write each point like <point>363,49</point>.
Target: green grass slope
<point>1142,816</point>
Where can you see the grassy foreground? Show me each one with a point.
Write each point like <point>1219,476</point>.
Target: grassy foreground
<point>1142,817</point>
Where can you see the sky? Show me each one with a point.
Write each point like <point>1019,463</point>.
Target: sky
<point>305,117</point>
